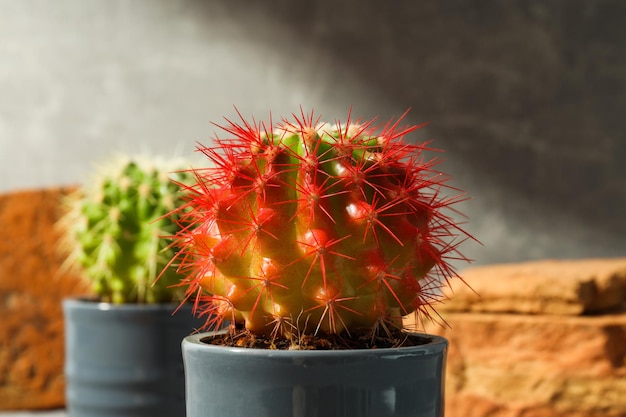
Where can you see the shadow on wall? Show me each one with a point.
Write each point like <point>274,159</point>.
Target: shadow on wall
<point>526,96</point>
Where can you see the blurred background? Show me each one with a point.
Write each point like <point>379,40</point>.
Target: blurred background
<point>527,98</point>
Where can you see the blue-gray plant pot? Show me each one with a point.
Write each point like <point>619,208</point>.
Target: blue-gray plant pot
<point>240,382</point>
<point>125,360</point>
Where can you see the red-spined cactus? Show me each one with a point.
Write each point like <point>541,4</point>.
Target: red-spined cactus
<point>301,225</point>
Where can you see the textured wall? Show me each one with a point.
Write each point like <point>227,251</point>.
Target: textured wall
<point>527,97</point>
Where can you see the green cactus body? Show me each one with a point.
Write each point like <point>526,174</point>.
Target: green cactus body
<point>114,229</point>
<point>310,227</point>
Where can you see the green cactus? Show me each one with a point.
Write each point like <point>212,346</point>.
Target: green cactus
<point>316,228</point>
<point>113,230</point>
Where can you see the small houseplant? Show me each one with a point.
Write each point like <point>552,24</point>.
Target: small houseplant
<point>314,241</point>
<point>122,344</point>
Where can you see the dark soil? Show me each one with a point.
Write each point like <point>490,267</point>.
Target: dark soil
<point>357,339</point>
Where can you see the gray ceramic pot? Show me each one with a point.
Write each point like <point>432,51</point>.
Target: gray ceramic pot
<point>239,382</point>
<point>125,360</point>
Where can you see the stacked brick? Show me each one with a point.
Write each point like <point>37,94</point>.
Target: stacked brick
<point>537,339</point>
<point>32,286</point>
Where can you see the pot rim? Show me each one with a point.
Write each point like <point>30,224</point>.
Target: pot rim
<point>436,345</point>
<point>90,303</point>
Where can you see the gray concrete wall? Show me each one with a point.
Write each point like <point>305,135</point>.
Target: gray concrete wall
<point>526,97</point>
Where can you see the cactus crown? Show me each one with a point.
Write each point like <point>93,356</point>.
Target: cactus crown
<point>309,227</point>
<point>113,229</point>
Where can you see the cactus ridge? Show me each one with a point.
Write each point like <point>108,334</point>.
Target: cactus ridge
<point>319,227</point>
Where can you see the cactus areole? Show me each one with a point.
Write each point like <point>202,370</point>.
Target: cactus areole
<point>302,227</point>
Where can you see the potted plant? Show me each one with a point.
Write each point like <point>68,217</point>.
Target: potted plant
<point>122,345</point>
<point>315,241</point>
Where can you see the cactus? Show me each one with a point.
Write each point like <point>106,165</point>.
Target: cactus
<point>301,227</point>
<point>113,229</point>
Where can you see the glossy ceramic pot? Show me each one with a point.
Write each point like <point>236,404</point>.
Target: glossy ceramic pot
<point>239,382</point>
<point>125,360</point>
